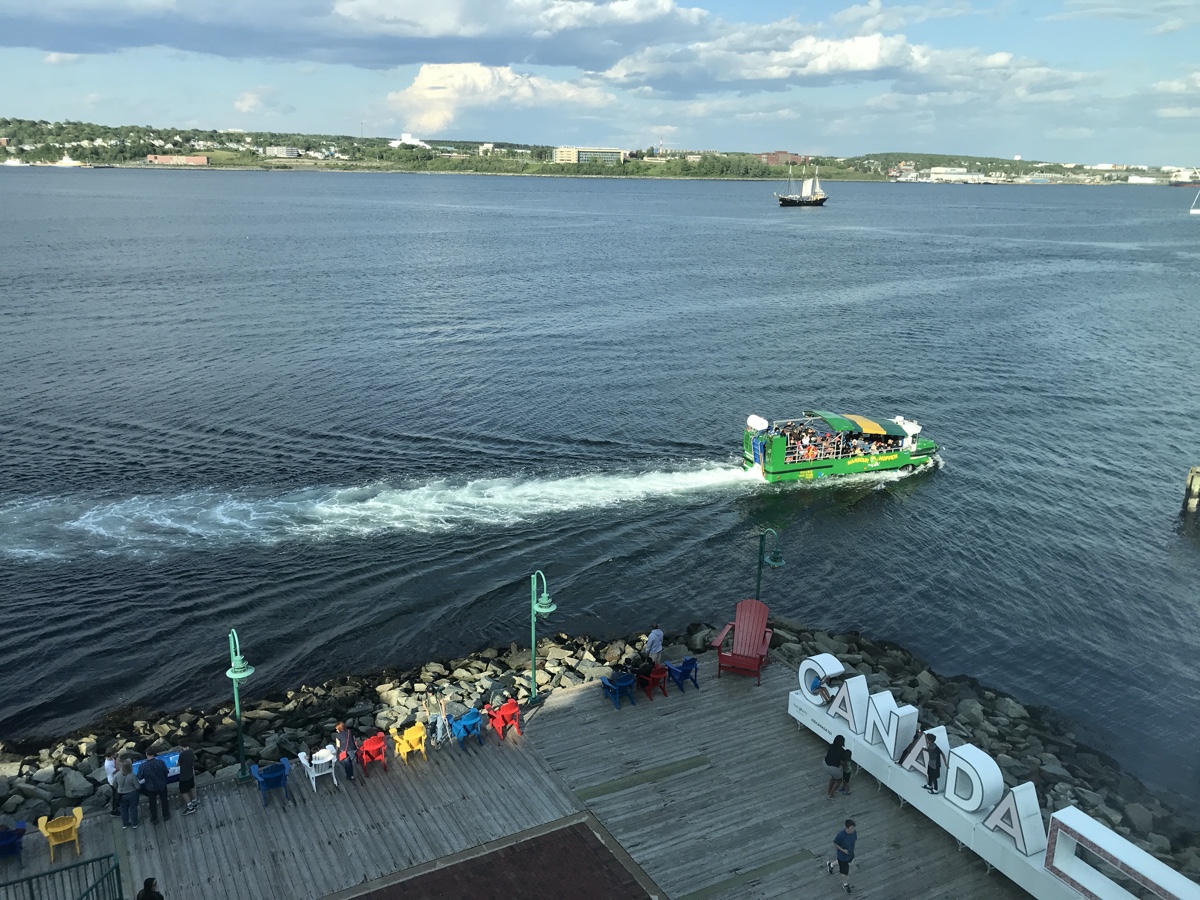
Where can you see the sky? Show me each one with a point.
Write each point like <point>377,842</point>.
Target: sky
<point>1085,81</point>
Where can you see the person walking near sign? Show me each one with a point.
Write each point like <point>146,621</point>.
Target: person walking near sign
<point>933,764</point>
<point>346,746</point>
<point>844,847</point>
<point>654,643</point>
<point>154,776</point>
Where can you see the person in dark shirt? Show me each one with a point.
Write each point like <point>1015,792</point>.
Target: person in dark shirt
<point>933,764</point>
<point>187,777</point>
<point>346,746</point>
<point>844,846</point>
<point>153,773</point>
<point>149,890</point>
<point>833,765</point>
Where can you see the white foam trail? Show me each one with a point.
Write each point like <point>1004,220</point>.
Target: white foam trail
<point>201,517</point>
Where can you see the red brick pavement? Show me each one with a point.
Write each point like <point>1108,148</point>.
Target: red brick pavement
<point>568,863</point>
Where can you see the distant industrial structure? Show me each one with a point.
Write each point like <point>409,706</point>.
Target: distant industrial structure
<point>570,155</point>
<point>407,140</point>
<point>282,152</point>
<point>162,160</point>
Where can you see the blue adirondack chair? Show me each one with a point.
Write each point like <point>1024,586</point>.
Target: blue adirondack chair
<point>684,672</point>
<point>469,723</point>
<point>10,842</point>
<point>271,778</point>
<point>614,689</point>
<point>466,725</point>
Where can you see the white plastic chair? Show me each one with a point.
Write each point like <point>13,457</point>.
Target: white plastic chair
<point>324,762</point>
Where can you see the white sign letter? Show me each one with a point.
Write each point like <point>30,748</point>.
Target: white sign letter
<point>1018,816</point>
<point>888,724</point>
<point>850,703</point>
<point>973,781</point>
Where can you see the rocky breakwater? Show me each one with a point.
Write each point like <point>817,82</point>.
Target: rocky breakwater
<point>49,781</point>
<point>1029,743</point>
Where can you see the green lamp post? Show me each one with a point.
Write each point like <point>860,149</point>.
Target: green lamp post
<point>239,670</point>
<point>774,559</point>
<point>538,606</point>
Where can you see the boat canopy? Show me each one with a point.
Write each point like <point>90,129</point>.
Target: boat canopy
<point>858,424</point>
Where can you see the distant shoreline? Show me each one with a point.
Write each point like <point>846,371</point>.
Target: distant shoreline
<point>373,171</point>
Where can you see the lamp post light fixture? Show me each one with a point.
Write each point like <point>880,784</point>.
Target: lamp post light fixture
<point>239,670</point>
<point>538,606</point>
<point>774,559</point>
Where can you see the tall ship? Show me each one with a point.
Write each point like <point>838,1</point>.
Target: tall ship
<point>810,192</point>
<point>821,444</point>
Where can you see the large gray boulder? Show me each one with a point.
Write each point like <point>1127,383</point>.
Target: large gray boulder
<point>77,786</point>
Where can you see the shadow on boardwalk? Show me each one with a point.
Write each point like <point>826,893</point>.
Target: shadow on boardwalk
<point>714,793</point>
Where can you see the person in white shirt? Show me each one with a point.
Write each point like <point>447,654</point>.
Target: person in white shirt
<point>654,643</point>
<point>110,772</point>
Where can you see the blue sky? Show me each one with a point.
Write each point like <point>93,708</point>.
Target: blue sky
<point>1086,81</point>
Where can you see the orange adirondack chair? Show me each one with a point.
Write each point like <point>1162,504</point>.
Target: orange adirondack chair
<point>373,749</point>
<point>751,641</point>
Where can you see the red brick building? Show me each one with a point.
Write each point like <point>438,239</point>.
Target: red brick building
<point>783,158</point>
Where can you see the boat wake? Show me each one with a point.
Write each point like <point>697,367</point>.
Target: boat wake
<point>61,527</point>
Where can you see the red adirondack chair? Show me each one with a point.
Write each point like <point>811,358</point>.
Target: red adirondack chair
<point>656,679</point>
<point>373,749</point>
<point>751,641</point>
<point>508,713</point>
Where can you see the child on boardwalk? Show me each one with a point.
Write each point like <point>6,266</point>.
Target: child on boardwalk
<point>846,772</point>
<point>844,847</point>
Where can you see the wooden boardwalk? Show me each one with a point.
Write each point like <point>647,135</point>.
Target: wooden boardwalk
<point>719,793</point>
<point>715,793</point>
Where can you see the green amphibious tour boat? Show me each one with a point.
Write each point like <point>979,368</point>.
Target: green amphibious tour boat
<point>819,444</point>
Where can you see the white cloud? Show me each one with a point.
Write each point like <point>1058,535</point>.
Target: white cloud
<point>1166,15</point>
<point>60,59</point>
<point>1070,134</point>
<point>477,18</point>
<point>438,92</point>
<point>873,16</point>
<point>1179,112</point>
<point>247,102</point>
<point>1189,84</point>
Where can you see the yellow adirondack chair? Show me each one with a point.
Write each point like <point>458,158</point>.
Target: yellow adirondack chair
<point>412,739</point>
<point>63,830</point>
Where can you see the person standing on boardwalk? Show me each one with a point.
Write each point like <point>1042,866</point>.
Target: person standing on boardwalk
<point>149,890</point>
<point>129,789</point>
<point>844,846</point>
<point>110,772</point>
<point>654,643</point>
<point>187,777</point>
<point>933,764</point>
<point>833,765</point>
<point>346,746</point>
<point>154,779</point>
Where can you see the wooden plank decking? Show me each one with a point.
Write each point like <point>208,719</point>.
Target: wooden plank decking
<point>714,793</point>
<point>719,793</point>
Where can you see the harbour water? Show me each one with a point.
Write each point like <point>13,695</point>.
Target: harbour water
<point>349,415</point>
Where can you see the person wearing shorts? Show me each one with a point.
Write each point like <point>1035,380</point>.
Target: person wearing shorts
<point>187,777</point>
<point>833,765</point>
<point>844,846</point>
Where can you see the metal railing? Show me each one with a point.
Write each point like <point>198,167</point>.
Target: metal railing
<point>90,879</point>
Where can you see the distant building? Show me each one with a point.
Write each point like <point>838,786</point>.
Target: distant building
<point>607,155</point>
<point>3,142</point>
<point>282,152</point>
<point>157,159</point>
<point>783,158</point>
<point>407,140</point>
<point>1143,179</point>
<point>486,149</point>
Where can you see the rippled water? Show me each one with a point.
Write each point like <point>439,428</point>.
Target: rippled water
<point>348,415</point>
